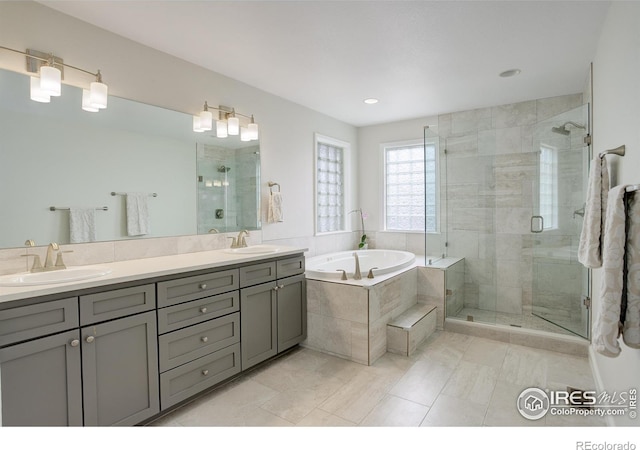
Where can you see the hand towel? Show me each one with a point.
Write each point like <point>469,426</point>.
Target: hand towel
<point>590,246</point>
<point>275,208</point>
<point>608,327</point>
<point>82,225</point>
<point>137,214</point>
<point>631,326</point>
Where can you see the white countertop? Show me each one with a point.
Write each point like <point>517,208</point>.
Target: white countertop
<point>141,269</point>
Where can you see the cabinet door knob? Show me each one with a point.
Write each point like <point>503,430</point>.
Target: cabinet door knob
<point>74,343</point>
<point>203,310</point>
<point>90,339</point>
<point>275,288</point>
<point>204,339</point>
<point>203,286</point>
<point>281,286</point>
<point>205,372</point>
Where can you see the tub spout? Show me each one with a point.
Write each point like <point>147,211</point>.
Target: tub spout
<point>357,275</point>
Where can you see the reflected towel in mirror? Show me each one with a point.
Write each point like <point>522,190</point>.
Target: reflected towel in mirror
<point>137,213</point>
<point>82,225</point>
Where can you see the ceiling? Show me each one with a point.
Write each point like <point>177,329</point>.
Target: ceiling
<point>419,58</point>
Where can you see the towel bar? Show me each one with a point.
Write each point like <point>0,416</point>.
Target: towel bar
<point>124,193</point>
<point>66,208</point>
<point>616,151</point>
<point>272,184</point>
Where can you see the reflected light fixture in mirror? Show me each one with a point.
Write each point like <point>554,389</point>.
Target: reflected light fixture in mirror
<point>49,82</point>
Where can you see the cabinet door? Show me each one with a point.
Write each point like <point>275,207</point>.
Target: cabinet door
<point>292,311</point>
<point>258,331</point>
<point>40,382</point>
<point>120,371</point>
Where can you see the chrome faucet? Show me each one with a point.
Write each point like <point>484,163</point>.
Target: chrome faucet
<point>357,275</point>
<point>240,240</point>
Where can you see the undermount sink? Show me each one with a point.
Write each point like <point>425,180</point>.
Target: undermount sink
<point>253,250</point>
<point>54,276</point>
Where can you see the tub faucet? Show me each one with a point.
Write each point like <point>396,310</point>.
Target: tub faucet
<point>357,275</point>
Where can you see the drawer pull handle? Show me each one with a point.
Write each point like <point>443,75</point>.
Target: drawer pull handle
<point>74,343</point>
<point>203,286</point>
<point>205,372</point>
<point>90,339</point>
<point>204,339</point>
<point>203,310</point>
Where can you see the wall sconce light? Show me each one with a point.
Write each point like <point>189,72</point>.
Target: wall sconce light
<point>49,82</point>
<point>227,124</point>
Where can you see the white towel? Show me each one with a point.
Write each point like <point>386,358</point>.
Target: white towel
<point>590,247</point>
<point>82,225</point>
<point>275,208</point>
<point>137,214</point>
<point>631,327</point>
<point>608,326</point>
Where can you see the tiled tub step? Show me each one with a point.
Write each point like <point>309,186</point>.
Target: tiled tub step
<point>408,330</point>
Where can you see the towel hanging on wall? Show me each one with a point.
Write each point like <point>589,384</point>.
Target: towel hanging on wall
<point>275,213</point>
<point>590,246</point>
<point>82,225</point>
<point>137,213</point>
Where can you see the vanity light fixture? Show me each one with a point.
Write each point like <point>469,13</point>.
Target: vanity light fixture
<point>49,82</point>
<point>227,124</point>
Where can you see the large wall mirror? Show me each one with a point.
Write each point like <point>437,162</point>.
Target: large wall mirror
<point>57,155</point>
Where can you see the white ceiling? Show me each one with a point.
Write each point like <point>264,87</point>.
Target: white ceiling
<point>419,58</point>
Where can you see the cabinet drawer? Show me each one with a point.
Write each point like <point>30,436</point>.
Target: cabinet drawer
<point>187,380</point>
<point>193,288</point>
<point>257,273</point>
<point>290,266</point>
<point>190,313</point>
<point>28,322</point>
<point>185,345</point>
<point>117,303</point>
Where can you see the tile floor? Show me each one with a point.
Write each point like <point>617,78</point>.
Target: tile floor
<point>451,380</point>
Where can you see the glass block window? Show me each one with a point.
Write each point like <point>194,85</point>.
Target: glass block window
<point>549,187</point>
<point>411,180</point>
<point>330,185</point>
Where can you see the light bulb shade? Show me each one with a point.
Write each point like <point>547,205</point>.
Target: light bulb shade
<point>98,95</point>
<point>206,120</point>
<point>221,129</point>
<point>50,81</point>
<point>253,131</point>
<point>245,136</point>
<point>233,125</point>
<point>197,124</point>
<point>36,93</point>
<point>86,105</point>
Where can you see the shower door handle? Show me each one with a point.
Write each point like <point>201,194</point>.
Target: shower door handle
<point>540,221</point>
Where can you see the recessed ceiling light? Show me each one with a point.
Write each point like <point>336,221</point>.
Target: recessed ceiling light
<point>370,101</point>
<point>510,73</point>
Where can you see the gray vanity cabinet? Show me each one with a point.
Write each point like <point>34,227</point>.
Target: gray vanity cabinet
<point>258,323</point>
<point>292,311</point>
<point>120,371</point>
<point>40,382</point>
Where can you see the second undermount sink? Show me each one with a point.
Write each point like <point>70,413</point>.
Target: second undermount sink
<point>253,250</point>
<point>53,277</point>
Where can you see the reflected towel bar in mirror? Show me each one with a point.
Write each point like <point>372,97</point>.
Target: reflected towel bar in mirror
<point>66,208</point>
<point>153,194</point>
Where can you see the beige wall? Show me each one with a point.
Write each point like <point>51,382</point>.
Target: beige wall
<point>616,121</point>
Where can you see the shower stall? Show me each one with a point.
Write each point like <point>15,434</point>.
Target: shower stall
<point>513,188</point>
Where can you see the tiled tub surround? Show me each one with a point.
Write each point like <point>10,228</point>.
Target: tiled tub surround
<point>349,318</point>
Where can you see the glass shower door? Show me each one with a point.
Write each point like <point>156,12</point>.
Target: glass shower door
<point>560,283</point>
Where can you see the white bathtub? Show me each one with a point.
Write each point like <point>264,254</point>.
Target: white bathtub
<point>330,266</point>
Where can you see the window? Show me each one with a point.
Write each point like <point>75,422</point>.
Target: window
<point>331,163</point>
<point>549,187</point>
<point>410,187</point>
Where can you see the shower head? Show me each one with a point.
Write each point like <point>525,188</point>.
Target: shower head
<point>224,169</point>
<point>563,128</point>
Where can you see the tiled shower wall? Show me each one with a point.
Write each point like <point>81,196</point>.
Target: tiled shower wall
<point>490,171</point>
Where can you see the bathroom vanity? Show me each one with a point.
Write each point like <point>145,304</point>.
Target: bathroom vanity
<point>121,349</point>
